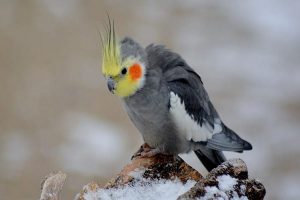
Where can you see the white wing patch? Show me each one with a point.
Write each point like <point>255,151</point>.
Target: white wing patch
<point>186,124</point>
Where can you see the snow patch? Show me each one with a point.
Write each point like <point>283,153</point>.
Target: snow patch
<point>226,182</point>
<point>225,188</point>
<point>137,173</point>
<point>145,190</point>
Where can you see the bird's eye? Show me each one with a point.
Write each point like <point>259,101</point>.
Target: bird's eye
<point>124,71</point>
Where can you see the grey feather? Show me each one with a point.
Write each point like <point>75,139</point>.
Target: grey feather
<point>130,48</point>
<point>228,140</point>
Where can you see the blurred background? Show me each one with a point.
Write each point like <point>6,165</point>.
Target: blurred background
<point>56,113</point>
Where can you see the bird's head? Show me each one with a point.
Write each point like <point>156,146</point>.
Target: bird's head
<point>123,64</point>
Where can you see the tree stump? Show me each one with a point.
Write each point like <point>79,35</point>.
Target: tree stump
<point>168,177</point>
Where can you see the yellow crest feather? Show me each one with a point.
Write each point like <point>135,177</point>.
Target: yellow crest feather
<point>111,56</point>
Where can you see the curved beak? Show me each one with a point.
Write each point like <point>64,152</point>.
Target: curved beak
<point>111,84</point>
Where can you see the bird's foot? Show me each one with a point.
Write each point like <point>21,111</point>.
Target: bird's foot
<point>139,152</point>
<point>150,152</point>
<point>146,151</point>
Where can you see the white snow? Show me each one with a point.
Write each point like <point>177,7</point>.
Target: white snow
<point>211,192</point>
<point>226,182</point>
<point>225,187</point>
<point>137,173</point>
<point>146,190</point>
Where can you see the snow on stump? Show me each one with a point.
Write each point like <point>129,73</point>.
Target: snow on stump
<point>158,177</point>
<point>227,181</point>
<point>168,177</point>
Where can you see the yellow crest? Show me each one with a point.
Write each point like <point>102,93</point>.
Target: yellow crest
<point>111,56</point>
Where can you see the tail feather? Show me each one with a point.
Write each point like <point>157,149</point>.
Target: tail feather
<point>210,158</point>
<point>228,140</point>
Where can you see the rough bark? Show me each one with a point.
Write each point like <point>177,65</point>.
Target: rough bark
<point>52,186</point>
<point>236,168</point>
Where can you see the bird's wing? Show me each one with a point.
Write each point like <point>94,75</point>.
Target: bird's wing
<point>182,80</point>
<point>194,112</point>
<point>190,106</point>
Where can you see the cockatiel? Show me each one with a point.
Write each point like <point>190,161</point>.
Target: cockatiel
<point>165,99</point>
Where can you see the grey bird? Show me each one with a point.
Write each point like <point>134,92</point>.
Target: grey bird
<point>165,99</point>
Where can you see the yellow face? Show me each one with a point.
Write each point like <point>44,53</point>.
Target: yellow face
<point>128,79</point>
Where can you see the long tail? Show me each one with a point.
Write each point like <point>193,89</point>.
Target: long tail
<point>210,158</point>
<point>228,140</point>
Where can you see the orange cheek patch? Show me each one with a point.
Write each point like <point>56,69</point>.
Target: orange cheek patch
<point>135,71</point>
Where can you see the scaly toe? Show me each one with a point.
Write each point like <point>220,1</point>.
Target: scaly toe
<point>150,153</point>
<point>143,148</point>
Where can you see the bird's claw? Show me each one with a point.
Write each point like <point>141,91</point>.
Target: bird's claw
<point>145,151</point>
<point>137,153</point>
<point>150,153</point>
